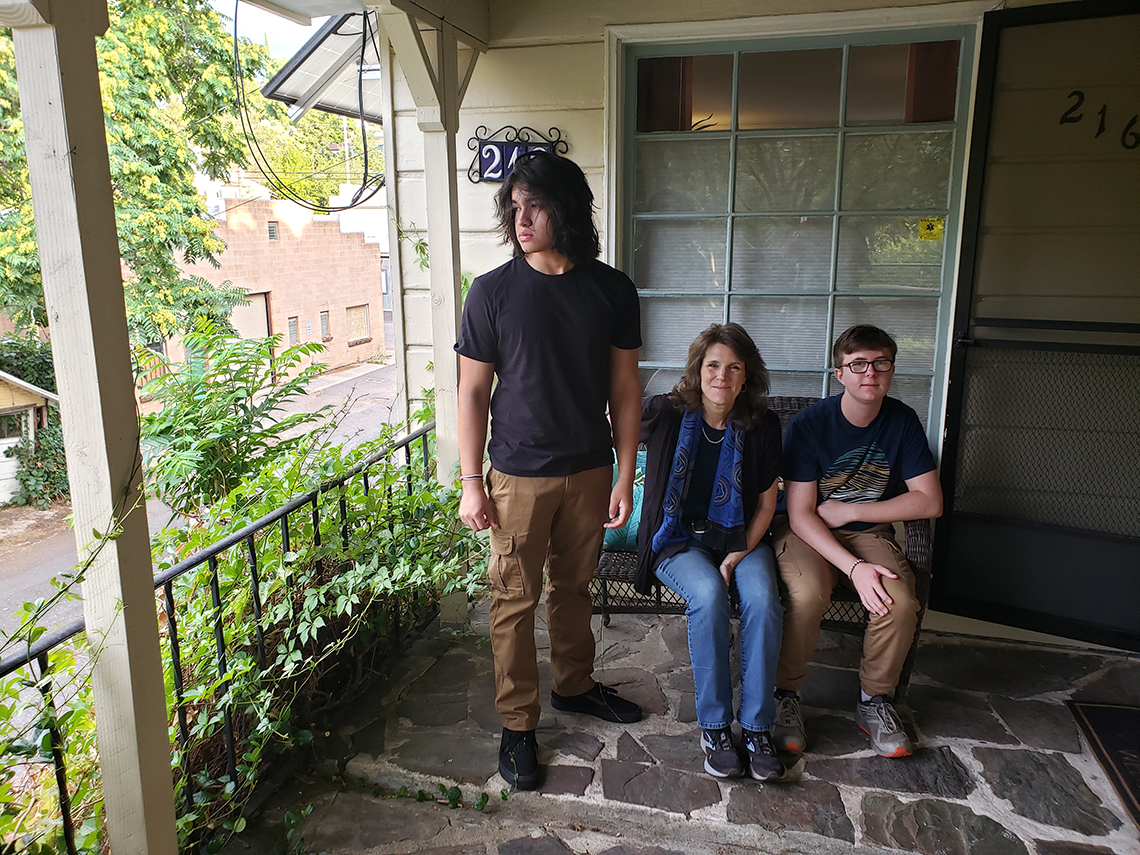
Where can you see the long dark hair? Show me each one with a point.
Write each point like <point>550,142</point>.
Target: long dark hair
<point>566,196</point>
<point>752,401</point>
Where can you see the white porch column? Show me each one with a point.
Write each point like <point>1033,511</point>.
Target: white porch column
<point>79,257</point>
<point>438,88</point>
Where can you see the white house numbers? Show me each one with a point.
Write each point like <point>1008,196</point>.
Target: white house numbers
<point>496,153</point>
<point>497,159</point>
<point>1129,135</point>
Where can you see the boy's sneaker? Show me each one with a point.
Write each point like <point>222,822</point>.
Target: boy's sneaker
<point>763,764</point>
<point>878,719</point>
<point>518,759</point>
<point>722,760</point>
<point>788,730</point>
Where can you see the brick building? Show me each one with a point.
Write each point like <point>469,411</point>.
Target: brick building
<point>305,278</point>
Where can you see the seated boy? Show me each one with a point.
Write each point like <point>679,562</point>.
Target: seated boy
<point>853,464</point>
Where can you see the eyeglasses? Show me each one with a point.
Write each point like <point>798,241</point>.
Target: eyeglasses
<point>859,366</point>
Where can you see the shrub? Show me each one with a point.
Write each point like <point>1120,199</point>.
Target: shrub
<point>329,613</point>
<point>222,414</point>
<point>41,469</point>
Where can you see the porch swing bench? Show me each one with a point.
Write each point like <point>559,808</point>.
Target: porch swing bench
<point>614,593</point>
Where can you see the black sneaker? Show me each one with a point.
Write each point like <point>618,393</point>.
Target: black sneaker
<point>600,701</point>
<point>518,759</point>
<point>722,760</point>
<point>763,764</point>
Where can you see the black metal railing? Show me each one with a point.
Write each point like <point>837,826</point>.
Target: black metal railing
<point>35,657</point>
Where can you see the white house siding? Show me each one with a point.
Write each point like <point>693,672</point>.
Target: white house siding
<point>8,483</point>
<point>546,67</point>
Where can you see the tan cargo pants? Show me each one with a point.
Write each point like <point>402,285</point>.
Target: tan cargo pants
<point>556,524</point>
<point>809,580</point>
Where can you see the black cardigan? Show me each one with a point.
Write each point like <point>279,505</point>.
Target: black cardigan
<point>660,428</point>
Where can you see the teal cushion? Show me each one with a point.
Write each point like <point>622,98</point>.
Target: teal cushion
<point>625,538</point>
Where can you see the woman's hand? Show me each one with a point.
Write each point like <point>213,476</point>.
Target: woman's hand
<point>728,565</point>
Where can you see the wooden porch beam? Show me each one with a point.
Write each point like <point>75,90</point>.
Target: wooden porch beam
<point>470,18</point>
<point>79,257</point>
<point>437,90</point>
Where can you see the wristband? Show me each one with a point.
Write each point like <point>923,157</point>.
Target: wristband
<point>471,477</point>
<point>851,572</point>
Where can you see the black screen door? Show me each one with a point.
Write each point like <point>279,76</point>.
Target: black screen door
<point>1041,463</point>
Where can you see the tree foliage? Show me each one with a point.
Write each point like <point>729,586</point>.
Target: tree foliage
<point>168,94</point>
<point>29,358</point>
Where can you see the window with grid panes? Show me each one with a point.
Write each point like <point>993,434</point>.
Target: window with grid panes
<point>795,192</point>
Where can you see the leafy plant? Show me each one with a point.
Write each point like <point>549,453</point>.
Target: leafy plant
<point>330,612</point>
<point>222,414</point>
<point>41,468</point>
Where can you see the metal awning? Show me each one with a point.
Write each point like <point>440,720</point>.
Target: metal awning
<point>326,72</point>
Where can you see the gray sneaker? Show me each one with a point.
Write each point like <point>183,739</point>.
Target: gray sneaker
<point>788,730</point>
<point>878,719</point>
<point>722,760</point>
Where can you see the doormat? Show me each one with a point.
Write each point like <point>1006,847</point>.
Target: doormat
<point>1113,731</point>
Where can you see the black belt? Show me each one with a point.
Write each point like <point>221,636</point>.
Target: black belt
<point>697,526</point>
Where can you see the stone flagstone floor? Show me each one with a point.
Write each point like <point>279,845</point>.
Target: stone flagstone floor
<point>1002,769</point>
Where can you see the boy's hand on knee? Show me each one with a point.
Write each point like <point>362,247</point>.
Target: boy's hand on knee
<point>869,585</point>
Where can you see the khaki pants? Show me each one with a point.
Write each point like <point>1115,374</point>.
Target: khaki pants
<point>809,581</point>
<point>554,523</point>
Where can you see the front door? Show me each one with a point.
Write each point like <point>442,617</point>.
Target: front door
<point>1041,464</point>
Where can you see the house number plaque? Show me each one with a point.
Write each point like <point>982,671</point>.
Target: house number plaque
<point>496,153</point>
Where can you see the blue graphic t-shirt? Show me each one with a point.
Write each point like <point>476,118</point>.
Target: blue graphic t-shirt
<point>853,464</point>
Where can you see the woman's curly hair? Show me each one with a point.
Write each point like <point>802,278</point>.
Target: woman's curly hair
<point>752,401</point>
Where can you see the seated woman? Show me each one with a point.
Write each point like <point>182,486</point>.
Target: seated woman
<point>713,456</point>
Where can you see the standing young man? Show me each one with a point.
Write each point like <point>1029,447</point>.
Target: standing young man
<point>561,331</point>
<point>854,464</point>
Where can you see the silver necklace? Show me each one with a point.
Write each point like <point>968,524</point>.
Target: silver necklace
<point>708,438</point>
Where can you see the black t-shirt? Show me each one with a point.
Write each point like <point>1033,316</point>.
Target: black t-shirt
<point>549,338</point>
<point>698,495</point>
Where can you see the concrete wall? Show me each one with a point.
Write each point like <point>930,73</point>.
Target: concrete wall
<point>311,268</point>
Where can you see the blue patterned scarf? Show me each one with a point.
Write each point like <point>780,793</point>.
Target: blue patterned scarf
<point>726,509</point>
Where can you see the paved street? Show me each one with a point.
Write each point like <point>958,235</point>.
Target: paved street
<point>36,546</point>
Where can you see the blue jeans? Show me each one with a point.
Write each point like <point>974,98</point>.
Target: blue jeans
<point>694,574</point>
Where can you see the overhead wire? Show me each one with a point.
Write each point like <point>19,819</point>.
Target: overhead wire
<point>370,184</point>
<point>305,176</point>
